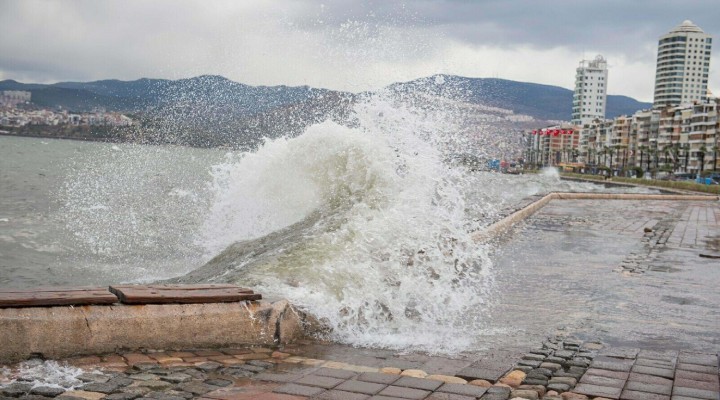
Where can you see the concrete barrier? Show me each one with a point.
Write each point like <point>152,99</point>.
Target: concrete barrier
<point>56,332</point>
<point>508,222</point>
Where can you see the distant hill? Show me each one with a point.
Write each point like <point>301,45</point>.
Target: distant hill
<point>220,95</point>
<point>543,102</point>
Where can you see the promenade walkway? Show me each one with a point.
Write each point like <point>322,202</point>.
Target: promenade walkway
<point>592,299</point>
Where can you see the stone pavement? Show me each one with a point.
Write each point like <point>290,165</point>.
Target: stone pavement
<point>559,369</point>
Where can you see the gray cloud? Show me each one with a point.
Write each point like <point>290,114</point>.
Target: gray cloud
<point>343,44</point>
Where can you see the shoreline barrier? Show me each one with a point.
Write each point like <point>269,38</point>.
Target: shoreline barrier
<point>505,224</point>
<point>64,331</point>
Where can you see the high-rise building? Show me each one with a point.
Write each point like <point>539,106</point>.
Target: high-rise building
<point>590,97</point>
<point>683,64</point>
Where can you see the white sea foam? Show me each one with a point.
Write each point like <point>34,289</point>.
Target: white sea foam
<point>390,260</point>
<point>43,373</point>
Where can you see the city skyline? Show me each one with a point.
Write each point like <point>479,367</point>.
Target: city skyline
<point>343,45</point>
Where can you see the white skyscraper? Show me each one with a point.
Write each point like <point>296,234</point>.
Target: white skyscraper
<point>683,64</point>
<point>590,97</point>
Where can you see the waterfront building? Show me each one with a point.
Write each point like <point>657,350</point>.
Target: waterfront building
<point>683,65</point>
<point>590,95</point>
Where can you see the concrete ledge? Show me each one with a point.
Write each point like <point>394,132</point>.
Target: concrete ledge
<point>508,222</point>
<point>57,332</point>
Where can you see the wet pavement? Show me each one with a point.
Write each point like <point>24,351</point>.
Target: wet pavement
<point>591,299</point>
<point>620,272</point>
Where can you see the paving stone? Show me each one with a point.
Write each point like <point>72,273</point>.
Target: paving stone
<point>144,377</point>
<point>535,381</point>
<point>554,359</point>
<point>661,372</point>
<point>491,375</point>
<point>93,377</point>
<point>696,393</point>
<point>495,396</point>
<point>197,388</point>
<point>566,354</point>
<point>525,394</point>
<point>335,373</point>
<point>209,366</point>
<point>544,352</point>
<point>535,357</point>
<point>155,385</point>
<point>529,363</point>
<point>646,362</point>
<point>81,394</point>
<point>611,365</point>
<point>377,377</point>
<point>450,396</point>
<point>657,380</point>
<point>602,381</point>
<point>298,390</point>
<point>465,390</point>
<point>499,389</point>
<point>578,362</point>
<point>704,385</point>
<point>107,387</point>
<point>559,387</point>
<point>361,387</point>
<point>340,395</point>
<point>697,368</point>
<point>697,376</point>
<point>417,383</point>
<point>566,380</point>
<point>404,392</point>
<point>649,388</point>
<point>325,382</point>
<point>598,391</point>
<point>271,377</point>
<point>251,368</point>
<point>621,352</point>
<point>122,396</point>
<point>634,395</point>
<point>708,360</point>
<point>218,382</point>
<point>669,355</point>
<point>16,389</point>
<point>176,378</point>
<point>47,391</point>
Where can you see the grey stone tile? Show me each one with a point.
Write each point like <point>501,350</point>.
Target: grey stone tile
<point>299,390</point>
<point>417,383</point>
<point>661,372</point>
<point>340,395</point>
<point>361,387</point>
<point>377,377</point>
<point>696,393</point>
<point>466,390</point>
<point>634,395</point>
<point>335,373</point>
<point>404,392</point>
<point>649,388</point>
<point>325,382</point>
<point>598,391</point>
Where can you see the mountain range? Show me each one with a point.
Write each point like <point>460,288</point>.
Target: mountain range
<point>223,96</point>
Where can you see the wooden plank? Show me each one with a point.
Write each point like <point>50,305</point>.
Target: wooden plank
<point>55,289</point>
<point>59,297</point>
<point>186,294</point>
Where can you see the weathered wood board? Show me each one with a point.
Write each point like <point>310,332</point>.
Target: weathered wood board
<point>42,297</point>
<point>203,293</point>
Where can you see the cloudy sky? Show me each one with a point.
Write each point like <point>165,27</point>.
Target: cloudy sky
<point>345,44</point>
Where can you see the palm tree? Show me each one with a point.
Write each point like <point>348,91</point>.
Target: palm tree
<point>701,156</point>
<point>611,151</point>
<point>642,150</point>
<point>715,156</point>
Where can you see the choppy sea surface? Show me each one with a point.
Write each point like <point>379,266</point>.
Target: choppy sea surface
<point>369,228</point>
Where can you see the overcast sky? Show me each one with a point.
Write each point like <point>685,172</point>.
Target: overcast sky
<point>346,44</point>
